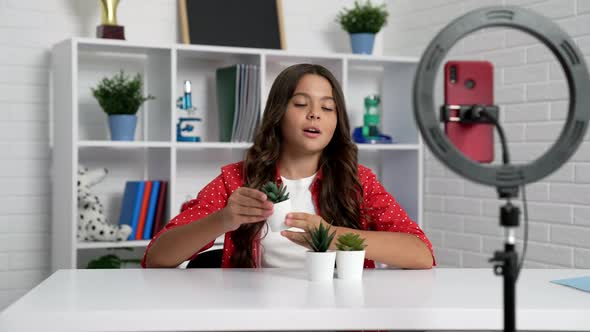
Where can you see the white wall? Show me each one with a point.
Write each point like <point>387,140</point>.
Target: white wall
<point>461,217</point>
<point>28,29</point>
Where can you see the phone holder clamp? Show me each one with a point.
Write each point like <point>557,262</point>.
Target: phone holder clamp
<point>469,114</point>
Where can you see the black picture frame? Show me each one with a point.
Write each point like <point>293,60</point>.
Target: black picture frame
<point>238,23</point>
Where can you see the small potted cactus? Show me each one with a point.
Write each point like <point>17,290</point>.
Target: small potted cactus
<point>350,256</point>
<point>319,260</point>
<point>282,205</point>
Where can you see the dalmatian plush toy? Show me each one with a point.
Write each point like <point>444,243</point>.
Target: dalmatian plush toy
<point>92,223</point>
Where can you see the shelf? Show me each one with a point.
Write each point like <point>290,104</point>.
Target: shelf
<point>119,45</point>
<point>81,130</point>
<point>120,244</point>
<point>388,147</point>
<point>124,144</point>
<point>211,145</point>
<point>219,145</point>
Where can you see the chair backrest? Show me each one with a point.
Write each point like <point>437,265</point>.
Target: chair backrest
<point>210,259</point>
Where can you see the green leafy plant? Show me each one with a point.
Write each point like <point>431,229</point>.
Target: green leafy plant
<point>109,261</point>
<point>319,238</point>
<point>274,193</point>
<point>120,94</point>
<point>350,242</point>
<point>364,18</point>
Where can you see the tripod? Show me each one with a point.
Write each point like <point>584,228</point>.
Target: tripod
<point>506,262</point>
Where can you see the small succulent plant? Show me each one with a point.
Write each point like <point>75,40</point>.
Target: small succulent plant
<point>274,193</point>
<point>350,242</point>
<point>320,238</point>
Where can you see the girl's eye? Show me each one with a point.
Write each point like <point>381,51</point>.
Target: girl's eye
<point>327,109</point>
<point>300,105</point>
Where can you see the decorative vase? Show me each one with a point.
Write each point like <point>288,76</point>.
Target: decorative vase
<point>320,265</point>
<point>276,221</point>
<point>122,127</point>
<point>350,264</point>
<point>362,43</point>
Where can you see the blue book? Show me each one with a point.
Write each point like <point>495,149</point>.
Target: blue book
<point>131,205</point>
<point>128,203</point>
<point>149,221</point>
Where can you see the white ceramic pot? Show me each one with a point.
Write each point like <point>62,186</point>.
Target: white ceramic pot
<point>276,221</point>
<point>349,264</point>
<point>320,265</point>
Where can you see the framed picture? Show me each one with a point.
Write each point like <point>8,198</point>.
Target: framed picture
<point>239,23</point>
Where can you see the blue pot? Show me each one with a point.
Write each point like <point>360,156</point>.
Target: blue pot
<point>122,127</point>
<point>362,43</point>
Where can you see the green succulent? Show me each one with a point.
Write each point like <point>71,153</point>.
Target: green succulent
<point>120,94</point>
<point>274,193</point>
<point>364,18</point>
<point>350,242</point>
<point>319,238</point>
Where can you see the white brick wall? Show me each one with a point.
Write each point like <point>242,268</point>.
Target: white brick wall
<point>462,217</point>
<point>28,29</point>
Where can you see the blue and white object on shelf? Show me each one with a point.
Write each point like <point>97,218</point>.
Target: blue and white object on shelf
<point>358,137</point>
<point>188,128</point>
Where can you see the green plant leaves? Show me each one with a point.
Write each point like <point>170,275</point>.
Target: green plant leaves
<point>350,242</point>
<point>319,238</point>
<point>275,194</point>
<point>109,261</point>
<point>364,18</point>
<point>120,94</point>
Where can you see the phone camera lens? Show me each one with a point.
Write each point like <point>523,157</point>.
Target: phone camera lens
<point>470,84</point>
<point>453,74</point>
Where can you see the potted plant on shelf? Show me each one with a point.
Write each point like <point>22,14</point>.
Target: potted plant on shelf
<point>279,196</point>
<point>120,98</point>
<point>319,259</point>
<point>350,256</point>
<point>363,22</point>
<point>111,261</point>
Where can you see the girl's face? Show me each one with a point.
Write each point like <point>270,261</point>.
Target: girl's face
<point>310,120</point>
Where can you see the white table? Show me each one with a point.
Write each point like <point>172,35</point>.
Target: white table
<point>275,299</point>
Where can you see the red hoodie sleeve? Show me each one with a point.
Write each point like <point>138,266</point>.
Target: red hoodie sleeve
<point>212,198</point>
<point>384,213</point>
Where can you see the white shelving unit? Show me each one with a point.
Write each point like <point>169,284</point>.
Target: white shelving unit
<point>80,130</point>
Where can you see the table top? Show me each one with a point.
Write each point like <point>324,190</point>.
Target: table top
<point>278,299</point>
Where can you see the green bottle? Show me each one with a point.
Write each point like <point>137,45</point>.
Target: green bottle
<point>371,117</point>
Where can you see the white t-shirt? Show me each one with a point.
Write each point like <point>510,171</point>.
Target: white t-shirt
<point>278,251</point>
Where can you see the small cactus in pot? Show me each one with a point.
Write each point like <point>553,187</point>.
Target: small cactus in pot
<point>278,195</point>
<point>350,257</point>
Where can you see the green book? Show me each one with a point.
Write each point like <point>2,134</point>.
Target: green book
<point>227,82</point>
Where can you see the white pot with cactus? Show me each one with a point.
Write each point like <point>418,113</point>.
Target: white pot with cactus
<point>350,256</point>
<point>282,205</point>
<point>319,261</point>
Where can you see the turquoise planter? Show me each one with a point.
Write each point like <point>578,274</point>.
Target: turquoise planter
<point>122,127</point>
<point>362,43</point>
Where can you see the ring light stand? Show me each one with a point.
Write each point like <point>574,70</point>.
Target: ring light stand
<point>505,177</point>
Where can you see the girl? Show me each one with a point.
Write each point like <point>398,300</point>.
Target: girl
<point>304,142</point>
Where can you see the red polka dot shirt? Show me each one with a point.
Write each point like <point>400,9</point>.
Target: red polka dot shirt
<point>384,213</point>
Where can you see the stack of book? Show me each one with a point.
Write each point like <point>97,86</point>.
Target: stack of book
<point>238,99</point>
<point>143,208</point>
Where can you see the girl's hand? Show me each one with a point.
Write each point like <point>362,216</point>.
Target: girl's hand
<point>245,206</point>
<point>303,221</point>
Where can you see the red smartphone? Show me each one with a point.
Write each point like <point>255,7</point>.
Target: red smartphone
<point>468,83</point>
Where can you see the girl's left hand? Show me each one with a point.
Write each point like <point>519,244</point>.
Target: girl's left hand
<point>303,221</point>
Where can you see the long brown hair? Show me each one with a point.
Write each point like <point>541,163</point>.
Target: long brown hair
<point>341,189</point>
